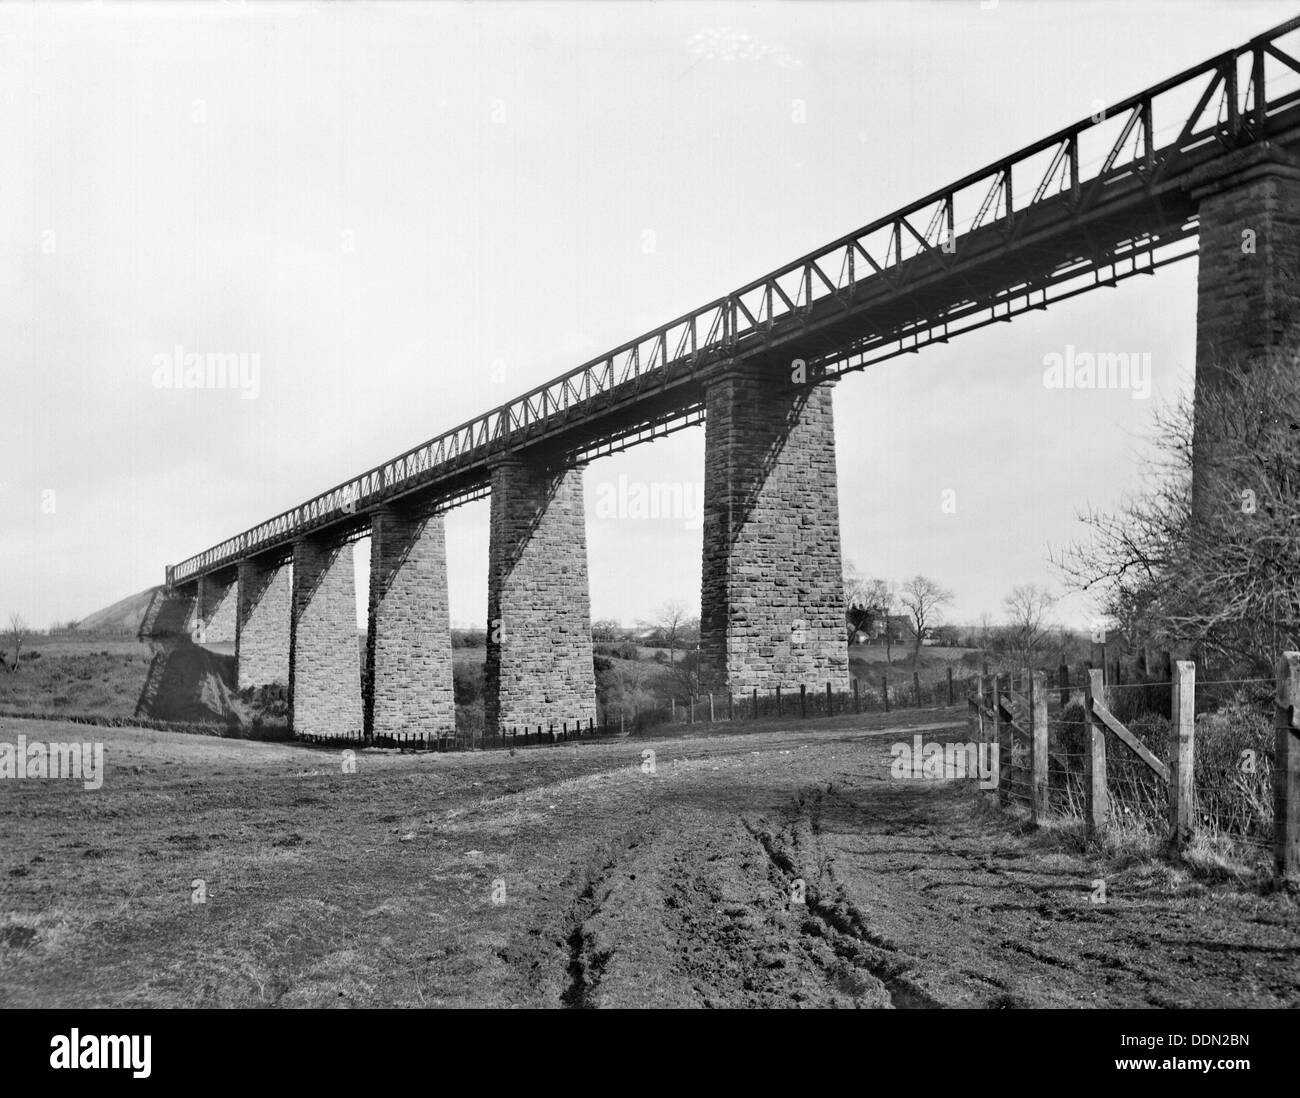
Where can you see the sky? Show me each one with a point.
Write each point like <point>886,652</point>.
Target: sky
<point>405,214</point>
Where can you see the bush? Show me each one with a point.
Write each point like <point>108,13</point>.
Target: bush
<point>468,683</point>
<point>1230,797</point>
<point>469,720</point>
<point>270,701</point>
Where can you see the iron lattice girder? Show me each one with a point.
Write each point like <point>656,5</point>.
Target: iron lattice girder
<point>852,315</point>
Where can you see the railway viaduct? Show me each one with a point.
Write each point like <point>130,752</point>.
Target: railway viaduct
<point>1205,163</point>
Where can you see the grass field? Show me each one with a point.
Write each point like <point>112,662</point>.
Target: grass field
<point>570,876</point>
<point>104,677</point>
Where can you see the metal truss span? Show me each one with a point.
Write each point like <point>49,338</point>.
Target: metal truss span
<point>1085,207</point>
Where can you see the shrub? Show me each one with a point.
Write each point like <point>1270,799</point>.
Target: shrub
<point>269,701</point>
<point>468,683</point>
<point>469,720</point>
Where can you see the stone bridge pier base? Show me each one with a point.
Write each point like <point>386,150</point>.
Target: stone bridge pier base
<point>772,586</point>
<point>539,659</point>
<point>263,594</point>
<point>407,687</point>
<point>324,656</point>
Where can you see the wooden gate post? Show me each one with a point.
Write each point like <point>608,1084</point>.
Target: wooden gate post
<point>1286,769</point>
<point>1094,755</point>
<point>1038,743</point>
<point>1182,726</point>
<point>995,704</point>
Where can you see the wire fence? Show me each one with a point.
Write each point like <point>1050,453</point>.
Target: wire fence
<point>1226,736</point>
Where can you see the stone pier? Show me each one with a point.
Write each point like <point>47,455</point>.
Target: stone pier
<point>1248,281</point>
<point>215,610</point>
<point>539,659</point>
<point>408,682</point>
<point>772,588</point>
<point>262,622</point>
<point>324,653</point>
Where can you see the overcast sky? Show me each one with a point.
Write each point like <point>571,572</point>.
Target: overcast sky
<point>413,212</point>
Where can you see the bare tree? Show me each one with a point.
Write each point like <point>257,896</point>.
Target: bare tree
<point>883,596</point>
<point>866,601</point>
<point>672,623</point>
<point>17,635</point>
<point>1028,626</point>
<point>923,599</point>
<point>1216,572</point>
<point>854,585</point>
<point>605,629</point>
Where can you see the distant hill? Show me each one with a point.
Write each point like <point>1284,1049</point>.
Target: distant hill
<point>124,615</point>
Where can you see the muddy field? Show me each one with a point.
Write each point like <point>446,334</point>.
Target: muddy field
<point>778,867</point>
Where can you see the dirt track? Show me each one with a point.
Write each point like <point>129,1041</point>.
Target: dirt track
<point>572,876</point>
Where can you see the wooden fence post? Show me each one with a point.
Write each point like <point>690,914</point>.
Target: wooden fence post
<point>1286,769</point>
<point>1094,756</point>
<point>951,700</point>
<point>857,697</point>
<point>672,702</point>
<point>1003,760</point>
<point>803,700</point>
<point>778,701</point>
<point>916,685</point>
<point>710,706</point>
<point>1038,744</point>
<point>884,690</point>
<point>1182,726</point>
<point>1063,681</point>
<point>731,706</point>
<point>979,708</point>
<point>756,703</point>
<point>830,706</point>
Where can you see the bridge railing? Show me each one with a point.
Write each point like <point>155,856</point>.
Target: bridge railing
<point>1227,100</point>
